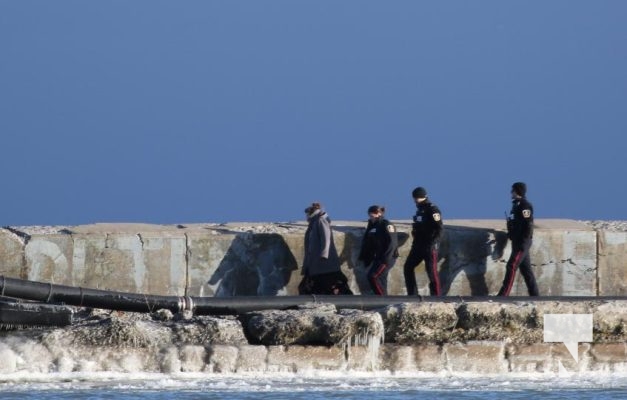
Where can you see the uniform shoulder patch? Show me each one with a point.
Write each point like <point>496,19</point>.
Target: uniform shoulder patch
<point>391,228</point>
<point>526,213</point>
<point>437,217</point>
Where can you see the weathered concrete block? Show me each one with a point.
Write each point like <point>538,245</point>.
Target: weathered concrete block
<point>152,262</point>
<point>222,358</point>
<point>169,361</point>
<point>278,360</point>
<point>315,357</point>
<point>303,358</point>
<point>564,263</point>
<point>610,357</point>
<point>429,358</point>
<point>529,358</point>
<point>295,244</point>
<point>363,358</point>
<point>396,358</point>
<point>347,242</point>
<point>165,258</point>
<point>117,263</point>
<point>205,252</point>
<point>560,354</point>
<point>251,358</point>
<point>49,259</point>
<point>240,264</point>
<point>88,261</point>
<point>471,260</point>
<point>12,259</point>
<point>609,353</point>
<point>483,357</point>
<point>193,358</point>
<point>612,263</point>
<point>546,357</point>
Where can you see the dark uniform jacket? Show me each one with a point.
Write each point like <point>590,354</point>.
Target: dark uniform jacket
<point>520,221</point>
<point>427,226</point>
<point>380,243</point>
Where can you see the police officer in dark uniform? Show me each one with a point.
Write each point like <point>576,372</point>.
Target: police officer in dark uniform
<point>379,249</point>
<point>426,232</point>
<point>520,232</point>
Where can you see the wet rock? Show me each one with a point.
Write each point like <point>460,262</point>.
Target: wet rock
<point>163,315</point>
<point>119,330</point>
<point>209,330</point>
<point>418,323</point>
<point>185,315</point>
<point>136,330</point>
<point>321,325</point>
<point>610,321</point>
<point>516,323</point>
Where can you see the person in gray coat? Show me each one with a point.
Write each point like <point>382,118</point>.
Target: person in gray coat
<point>321,264</point>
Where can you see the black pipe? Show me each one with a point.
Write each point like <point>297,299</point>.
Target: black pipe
<point>18,315</point>
<point>82,297</point>
<point>121,301</point>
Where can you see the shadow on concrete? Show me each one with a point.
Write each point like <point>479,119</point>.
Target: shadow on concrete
<point>254,265</point>
<point>470,257</point>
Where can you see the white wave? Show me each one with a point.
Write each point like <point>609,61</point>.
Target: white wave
<point>314,381</point>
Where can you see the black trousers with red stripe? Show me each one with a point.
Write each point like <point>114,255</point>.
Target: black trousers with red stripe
<point>378,277</point>
<point>429,254</point>
<point>519,259</point>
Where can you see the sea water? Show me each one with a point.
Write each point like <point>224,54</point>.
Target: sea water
<point>312,386</point>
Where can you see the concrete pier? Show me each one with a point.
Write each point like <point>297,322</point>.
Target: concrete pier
<point>569,258</point>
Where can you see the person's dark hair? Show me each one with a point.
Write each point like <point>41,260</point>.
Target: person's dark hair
<point>376,209</point>
<point>520,188</point>
<point>419,193</point>
<point>313,207</point>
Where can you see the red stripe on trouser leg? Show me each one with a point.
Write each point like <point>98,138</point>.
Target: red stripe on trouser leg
<point>511,278</point>
<point>375,280</point>
<point>436,278</point>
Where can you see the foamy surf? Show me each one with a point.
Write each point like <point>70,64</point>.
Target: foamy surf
<point>317,381</point>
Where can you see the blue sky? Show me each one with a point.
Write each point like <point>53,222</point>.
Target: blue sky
<point>215,111</point>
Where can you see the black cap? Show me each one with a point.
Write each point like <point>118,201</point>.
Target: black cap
<point>375,209</point>
<point>419,193</point>
<point>519,188</point>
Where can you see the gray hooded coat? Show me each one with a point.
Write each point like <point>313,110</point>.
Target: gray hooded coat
<point>320,253</point>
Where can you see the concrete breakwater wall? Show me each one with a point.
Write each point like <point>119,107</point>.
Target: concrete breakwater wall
<point>569,258</point>
<point>455,337</point>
